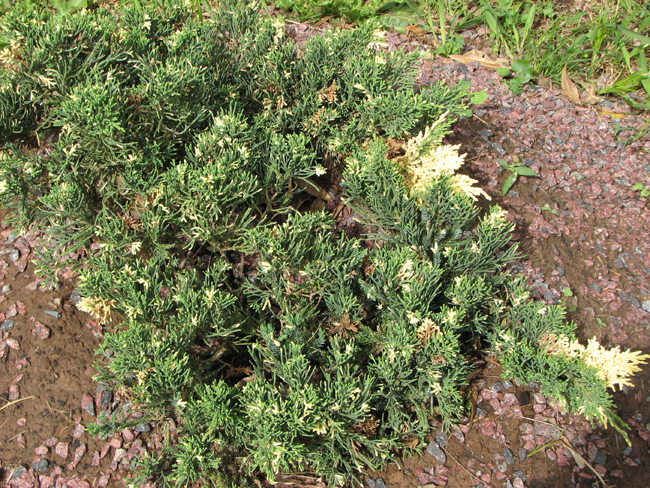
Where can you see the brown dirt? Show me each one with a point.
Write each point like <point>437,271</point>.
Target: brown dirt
<point>597,245</point>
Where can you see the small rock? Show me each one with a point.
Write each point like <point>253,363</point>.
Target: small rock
<point>561,270</point>
<point>78,431</point>
<point>502,467</point>
<point>127,435</point>
<point>51,442</point>
<point>143,427</point>
<point>14,393</point>
<point>75,296</point>
<point>6,325</point>
<point>507,384</point>
<point>600,458</point>
<point>434,450</point>
<point>520,474</point>
<point>20,266</point>
<point>61,449</point>
<point>379,483</point>
<point>41,331</point>
<point>441,439</point>
<point>370,483</point>
<point>88,404</point>
<point>627,451</point>
<point>18,472</point>
<point>14,255</point>
<point>41,451</point>
<point>6,289</point>
<point>103,481</point>
<point>12,237</point>
<point>21,441</point>
<point>496,387</point>
<point>546,430</point>
<point>522,453</point>
<point>41,466</point>
<point>510,459</point>
<point>53,313</point>
<point>508,484</point>
<point>14,344</point>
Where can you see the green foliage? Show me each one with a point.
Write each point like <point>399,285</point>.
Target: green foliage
<point>643,190</point>
<point>165,159</point>
<point>515,172</point>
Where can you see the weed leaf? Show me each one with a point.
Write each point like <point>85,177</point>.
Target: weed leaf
<point>478,97</point>
<point>524,171</point>
<point>509,182</point>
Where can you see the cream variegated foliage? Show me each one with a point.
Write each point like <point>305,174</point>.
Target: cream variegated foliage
<point>615,367</point>
<point>426,159</point>
<point>98,307</point>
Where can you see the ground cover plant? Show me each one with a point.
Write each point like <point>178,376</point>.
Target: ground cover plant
<point>605,50</point>
<point>172,162</point>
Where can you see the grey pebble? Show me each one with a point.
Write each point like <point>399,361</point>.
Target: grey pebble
<point>507,385</point>
<point>144,427</point>
<point>379,483</point>
<point>499,148</point>
<point>480,412</point>
<point>75,296</point>
<point>508,484</point>
<point>520,474</point>
<point>600,458</point>
<point>89,408</point>
<point>6,325</point>
<point>441,439</point>
<point>646,306</point>
<point>370,483</point>
<point>41,466</point>
<point>510,458</point>
<point>629,298</point>
<point>105,400</point>
<point>561,270</point>
<point>53,313</point>
<point>627,451</point>
<point>6,289</point>
<point>549,296</point>
<point>13,237</point>
<point>434,450</point>
<point>502,467</point>
<point>595,287</point>
<point>496,387</point>
<point>522,453</point>
<point>14,255</point>
<point>18,472</point>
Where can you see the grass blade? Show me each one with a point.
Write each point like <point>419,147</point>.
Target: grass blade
<point>634,35</point>
<point>530,19</point>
